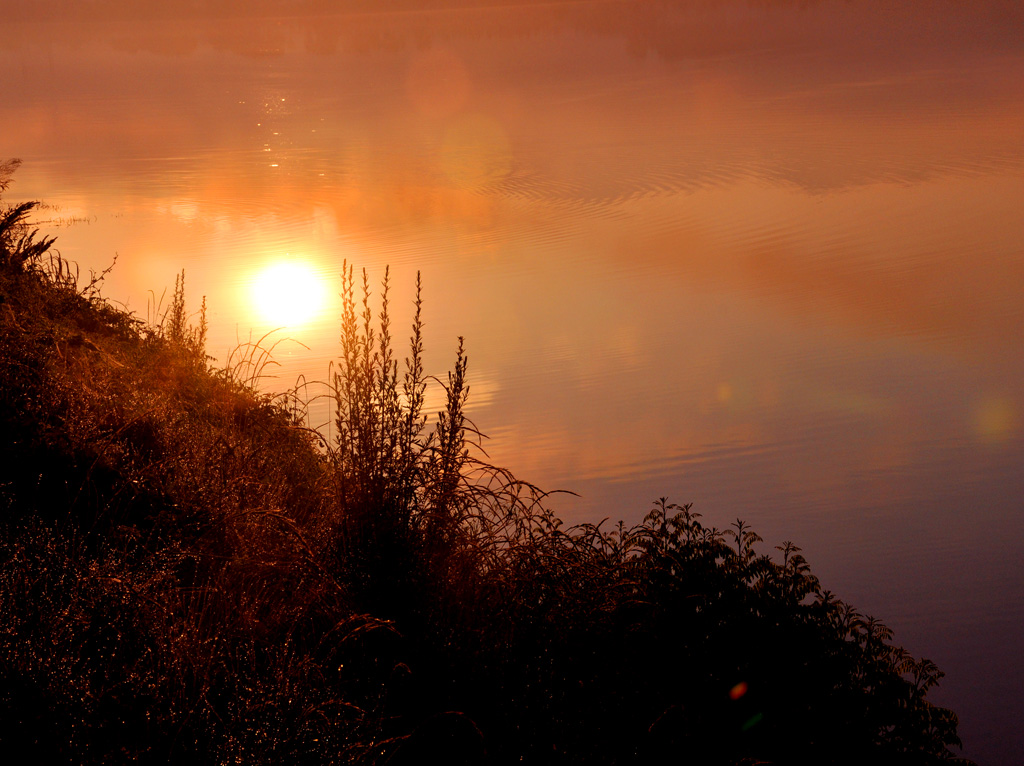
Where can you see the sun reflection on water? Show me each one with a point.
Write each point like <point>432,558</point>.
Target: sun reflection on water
<point>288,294</point>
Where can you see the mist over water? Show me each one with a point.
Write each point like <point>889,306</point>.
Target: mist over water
<point>765,257</point>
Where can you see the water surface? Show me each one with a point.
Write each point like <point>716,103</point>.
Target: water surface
<point>766,257</point>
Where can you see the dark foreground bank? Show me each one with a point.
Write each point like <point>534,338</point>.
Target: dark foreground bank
<point>188,574</point>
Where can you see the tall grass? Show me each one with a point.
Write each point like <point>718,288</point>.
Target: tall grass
<point>414,498</point>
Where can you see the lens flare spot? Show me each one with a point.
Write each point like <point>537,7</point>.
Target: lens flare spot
<point>724,393</point>
<point>753,721</point>
<point>438,84</point>
<point>476,152</point>
<point>288,294</point>
<point>995,419</point>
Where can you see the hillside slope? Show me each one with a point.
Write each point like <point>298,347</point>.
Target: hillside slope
<point>189,574</point>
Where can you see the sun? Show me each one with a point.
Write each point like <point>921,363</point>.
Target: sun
<point>287,294</point>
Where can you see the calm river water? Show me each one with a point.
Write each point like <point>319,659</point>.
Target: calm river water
<point>767,257</point>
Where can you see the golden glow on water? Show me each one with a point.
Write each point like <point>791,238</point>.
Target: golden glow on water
<point>762,256</point>
<point>288,294</point>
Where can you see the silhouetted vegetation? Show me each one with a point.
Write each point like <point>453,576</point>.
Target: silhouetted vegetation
<point>189,573</point>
